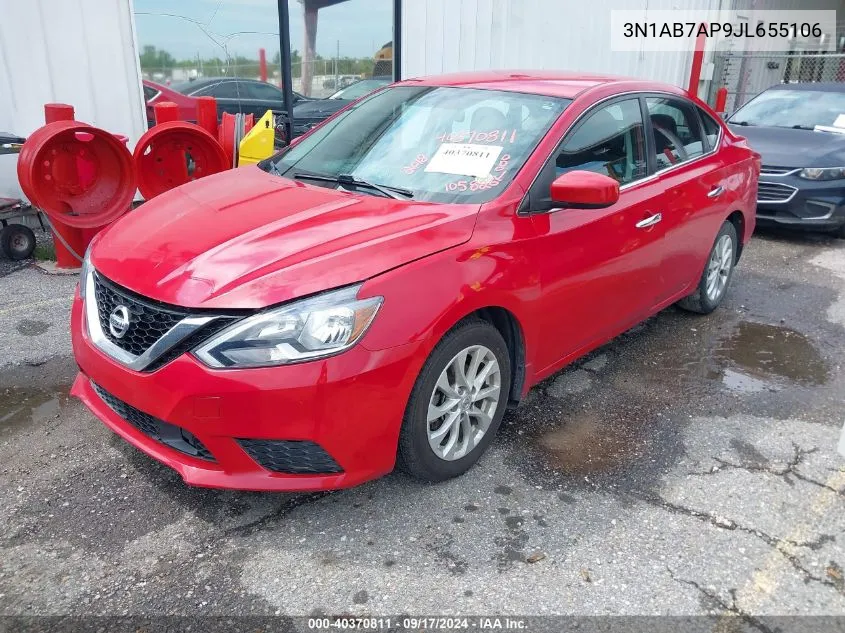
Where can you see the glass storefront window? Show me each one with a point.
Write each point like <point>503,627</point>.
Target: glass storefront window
<point>336,43</point>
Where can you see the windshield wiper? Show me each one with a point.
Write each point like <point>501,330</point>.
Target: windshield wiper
<point>347,180</point>
<point>802,127</point>
<point>272,168</point>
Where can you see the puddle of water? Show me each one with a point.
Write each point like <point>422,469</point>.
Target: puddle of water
<point>584,445</point>
<point>622,427</point>
<point>22,406</point>
<point>743,383</point>
<point>764,351</point>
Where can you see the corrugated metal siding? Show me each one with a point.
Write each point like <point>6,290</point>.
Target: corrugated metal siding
<point>81,52</point>
<point>453,35</point>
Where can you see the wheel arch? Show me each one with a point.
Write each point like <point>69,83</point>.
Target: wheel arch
<point>510,328</point>
<point>737,218</point>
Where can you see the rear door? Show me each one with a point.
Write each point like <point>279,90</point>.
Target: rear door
<point>599,268</point>
<point>691,174</point>
<point>263,97</point>
<point>226,93</point>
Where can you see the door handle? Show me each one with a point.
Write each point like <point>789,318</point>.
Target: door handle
<point>715,192</point>
<point>649,221</point>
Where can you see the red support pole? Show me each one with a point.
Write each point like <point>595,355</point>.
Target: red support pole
<point>207,114</point>
<point>57,112</point>
<point>697,62</point>
<point>64,258</point>
<point>721,100</point>
<point>166,111</point>
<point>75,238</point>
<point>262,64</point>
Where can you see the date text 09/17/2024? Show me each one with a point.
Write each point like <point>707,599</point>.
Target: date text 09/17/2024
<point>421,623</point>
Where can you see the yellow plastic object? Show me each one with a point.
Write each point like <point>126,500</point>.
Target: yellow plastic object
<point>258,143</point>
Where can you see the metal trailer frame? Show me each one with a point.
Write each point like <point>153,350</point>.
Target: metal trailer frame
<point>17,241</point>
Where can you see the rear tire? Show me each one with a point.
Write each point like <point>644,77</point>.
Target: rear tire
<point>718,271</point>
<point>467,370</point>
<point>17,241</point>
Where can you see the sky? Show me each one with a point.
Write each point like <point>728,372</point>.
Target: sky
<point>186,28</point>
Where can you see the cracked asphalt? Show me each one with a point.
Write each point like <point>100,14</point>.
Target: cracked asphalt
<point>688,467</point>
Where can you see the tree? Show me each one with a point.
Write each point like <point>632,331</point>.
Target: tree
<point>295,62</point>
<point>154,58</point>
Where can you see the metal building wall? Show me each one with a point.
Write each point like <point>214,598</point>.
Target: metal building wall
<point>81,52</point>
<point>452,35</point>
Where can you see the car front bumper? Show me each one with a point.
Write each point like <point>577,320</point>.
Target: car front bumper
<point>794,202</point>
<point>326,424</point>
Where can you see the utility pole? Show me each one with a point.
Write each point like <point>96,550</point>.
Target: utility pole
<point>285,66</point>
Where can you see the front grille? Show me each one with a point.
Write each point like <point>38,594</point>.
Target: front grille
<point>148,321</point>
<point>774,192</point>
<point>191,341</point>
<point>291,456</point>
<point>169,434</point>
<point>770,170</point>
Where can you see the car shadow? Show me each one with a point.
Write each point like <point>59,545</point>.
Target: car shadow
<point>796,236</point>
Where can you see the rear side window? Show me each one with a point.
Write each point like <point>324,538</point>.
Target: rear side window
<point>223,90</point>
<point>609,141</point>
<point>711,128</point>
<point>149,92</point>
<point>677,137</point>
<point>264,91</point>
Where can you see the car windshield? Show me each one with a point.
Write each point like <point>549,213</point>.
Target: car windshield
<point>441,144</point>
<point>358,89</point>
<point>801,109</point>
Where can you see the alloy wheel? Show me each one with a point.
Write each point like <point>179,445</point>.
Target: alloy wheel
<point>719,267</point>
<point>464,402</point>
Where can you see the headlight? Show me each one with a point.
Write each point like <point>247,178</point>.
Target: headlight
<point>83,272</point>
<point>822,173</point>
<point>304,330</point>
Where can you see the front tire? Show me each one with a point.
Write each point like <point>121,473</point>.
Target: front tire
<point>718,271</point>
<point>457,403</point>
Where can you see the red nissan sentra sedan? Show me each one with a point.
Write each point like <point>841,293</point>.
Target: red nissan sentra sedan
<point>380,291</point>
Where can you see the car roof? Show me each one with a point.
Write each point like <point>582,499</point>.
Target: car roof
<point>822,86</point>
<point>553,83</point>
<point>216,80</point>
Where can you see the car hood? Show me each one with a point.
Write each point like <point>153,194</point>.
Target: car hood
<point>248,239</point>
<point>318,107</point>
<point>785,147</point>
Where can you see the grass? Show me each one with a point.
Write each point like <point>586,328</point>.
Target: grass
<point>45,252</point>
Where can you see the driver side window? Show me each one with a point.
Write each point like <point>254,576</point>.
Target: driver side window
<point>610,141</point>
<point>677,137</point>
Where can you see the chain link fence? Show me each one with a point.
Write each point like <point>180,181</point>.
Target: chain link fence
<point>747,74</point>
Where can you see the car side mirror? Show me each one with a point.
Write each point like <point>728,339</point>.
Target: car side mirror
<point>585,190</point>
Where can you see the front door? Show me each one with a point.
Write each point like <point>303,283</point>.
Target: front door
<point>599,268</point>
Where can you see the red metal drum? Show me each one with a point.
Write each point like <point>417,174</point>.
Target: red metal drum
<point>233,128</point>
<point>173,153</point>
<point>79,175</point>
